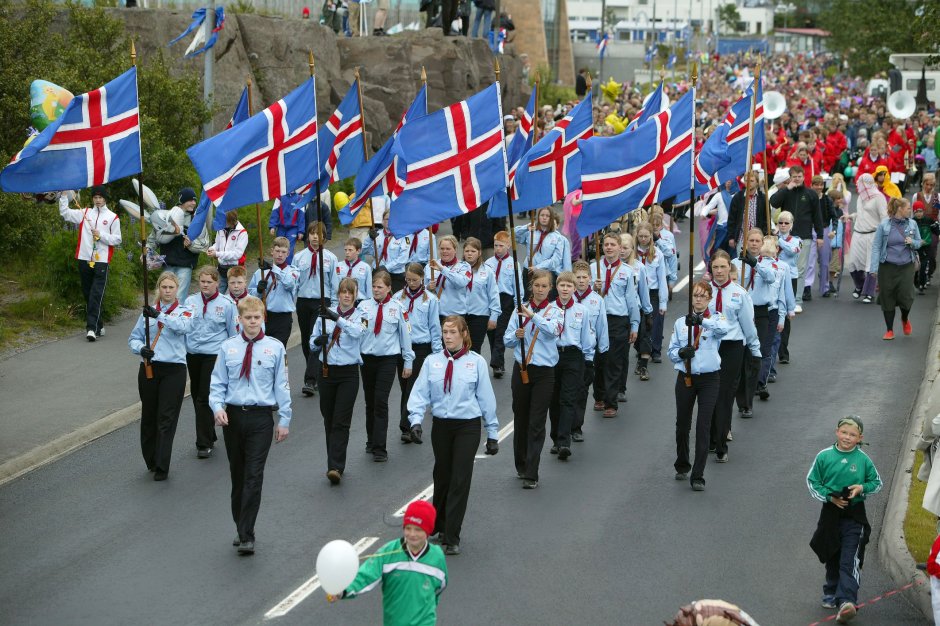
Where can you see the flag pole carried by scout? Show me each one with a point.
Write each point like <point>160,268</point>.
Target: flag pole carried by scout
<point>523,374</point>
<point>747,172</point>
<point>689,340</point>
<point>321,241</point>
<point>148,368</point>
<point>264,296</point>
<point>432,246</point>
<point>532,220</point>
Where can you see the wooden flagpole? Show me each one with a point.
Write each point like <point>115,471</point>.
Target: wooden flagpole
<point>747,171</point>
<point>264,296</point>
<point>532,131</point>
<point>148,368</point>
<point>688,363</point>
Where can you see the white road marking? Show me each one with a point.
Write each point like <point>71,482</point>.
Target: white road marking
<point>302,592</point>
<point>685,279</point>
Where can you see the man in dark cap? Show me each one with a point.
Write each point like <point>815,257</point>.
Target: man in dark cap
<point>179,258</point>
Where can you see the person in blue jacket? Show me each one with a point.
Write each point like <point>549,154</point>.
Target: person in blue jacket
<point>276,285</point>
<point>455,384</point>
<point>161,379</point>
<point>483,307</point>
<point>288,219</point>
<point>893,258</point>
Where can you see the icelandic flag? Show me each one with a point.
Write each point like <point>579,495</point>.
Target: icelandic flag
<point>520,144</point>
<point>497,40</point>
<point>633,170</point>
<point>272,153</point>
<point>96,140</point>
<point>201,214</point>
<point>342,152</point>
<point>723,157</point>
<point>454,160</point>
<point>552,168</point>
<point>602,45</point>
<point>654,103</point>
<point>650,53</point>
<point>671,63</point>
<point>206,36</point>
<point>378,176</point>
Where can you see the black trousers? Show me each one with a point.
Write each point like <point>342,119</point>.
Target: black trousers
<point>455,443</point>
<point>732,357</point>
<point>644,334</point>
<point>200,374</point>
<point>338,393</point>
<point>507,306</point>
<point>248,439</point>
<point>398,282</point>
<point>477,325</point>
<point>307,311</point>
<point>278,325</point>
<point>448,14</point>
<point>421,350</point>
<point>784,351</point>
<point>611,368</point>
<point>656,333</point>
<point>569,381</point>
<point>93,280</point>
<point>704,389</point>
<point>378,373</point>
<point>161,399</point>
<point>530,410</point>
<point>581,405</point>
<point>750,368</point>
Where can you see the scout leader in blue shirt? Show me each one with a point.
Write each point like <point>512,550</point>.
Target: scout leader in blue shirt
<point>597,319</point>
<point>276,285</point>
<point>733,301</point>
<point>338,379</point>
<point>701,384</point>
<point>390,252</point>
<point>502,264</point>
<point>422,317</point>
<point>385,340</point>
<point>482,297</point>
<point>455,385</point>
<point>214,320</point>
<point>309,297</point>
<point>249,383</point>
<point>161,392</point>
<point>576,340</point>
<point>546,243</point>
<point>451,277</point>
<point>542,325</point>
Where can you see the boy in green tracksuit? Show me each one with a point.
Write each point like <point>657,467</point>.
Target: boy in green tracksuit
<point>841,477</point>
<point>411,570</point>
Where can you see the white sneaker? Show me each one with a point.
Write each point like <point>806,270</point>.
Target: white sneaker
<point>798,309</point>
<point>101,332</point>
<point>90,335</point>
<point>846,612</point>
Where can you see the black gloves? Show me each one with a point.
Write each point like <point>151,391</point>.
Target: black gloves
<point>262,287</point>
<point>151,312</point>
<point>264,266</point>
<point>373,233</point>
<point>146,354</point>
<point>492,446</point>
<point>686,353</point>
<point>330,314</point>
<point>694,319</point>
<point>319,340</point>
<point>750,260</point>
<point>416,433</point>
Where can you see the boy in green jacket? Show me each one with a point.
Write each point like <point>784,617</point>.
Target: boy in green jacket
<point>841,477</point>
<point>411,570</point>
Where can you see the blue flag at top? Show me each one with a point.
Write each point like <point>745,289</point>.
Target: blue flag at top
<point>518,146</point>
<point>671,63</point>
<point>454,160</point>
<point>724,155</point>
<point>655,103</point>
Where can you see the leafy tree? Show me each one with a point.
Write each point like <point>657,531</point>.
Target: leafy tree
<point>867,38</point>
<point>729,17</point>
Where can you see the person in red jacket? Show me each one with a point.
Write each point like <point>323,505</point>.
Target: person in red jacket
<point>802,158</point>
<point>874,156</point>
<point>836,144</point>
<point>933,570</point>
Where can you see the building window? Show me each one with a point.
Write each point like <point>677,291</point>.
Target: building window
<point>759,27</point>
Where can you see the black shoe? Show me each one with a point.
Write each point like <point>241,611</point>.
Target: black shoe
<point>807,294</point>
<point>682,475</point>
<point>563,453</point>
<point>698,485</point>
<point>784,360</point>
<point>621,397</point>
<point>368,448</point>
<point>334,476</point>
<point>827,294</point>
<point>762,393</point>
<point>237,541</point>
<point>657,358</point>
<point>554,450</point>
<point>530,484</point>
<point>644,373</point>
<point>712,449</point>
<point>204,453</point>
<point>406,437</point>
<point>722,457</point>
<point>451,550</point>
<point>378,32</point>
<point>498,372</point>
<point>577,437</point>
<point>247,547</point>
<point>380,456</point>
<point>308,389</point>
<point>747,413</point>
<point>159,475</point>
<point>856,293</point>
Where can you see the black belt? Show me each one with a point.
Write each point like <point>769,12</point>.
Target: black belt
<point>761,307</point>
<point>562,349</point>
<point>863,232</point>
<point>248,407</point>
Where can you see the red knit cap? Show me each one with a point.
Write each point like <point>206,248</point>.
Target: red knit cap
<point>918,205</point>
<point>421,513</point>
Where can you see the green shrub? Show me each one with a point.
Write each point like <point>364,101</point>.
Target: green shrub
<point>25,224</point>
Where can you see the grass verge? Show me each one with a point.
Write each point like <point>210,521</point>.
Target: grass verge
<point>920,525</point>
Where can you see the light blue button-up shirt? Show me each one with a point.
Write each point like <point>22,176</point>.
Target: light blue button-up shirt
<point>706,357</point>
<point>642,286</point>
<point>171,344</point>
<point>361,271</point>
<point>550,255</point>
<point>622,297</point>
<point>790,246</point>
<point>282,282</point>
<point>597,318</point>
<point>738,309</point>
<point>667,245</point>
<point>266,386</point>
<point>211,328</point>
<point>760,281</point>
<point>424,318</point>
<point>504,280</point>
<point>575,327</point>
<point>548,323</point>
<point>656,276</point>
<point>453,295</point>
<point>393,338</point>
<point>422,250</point>
<point>396,252</point>
<point>483,299</point>
<point>308,284</point>
<point>345,350</point>
<point>470,396</point>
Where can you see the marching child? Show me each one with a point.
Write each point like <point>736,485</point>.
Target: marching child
<point>353,267</point>
<point>390,252</point>
<point>309,298</point>
<point>275,285</point>
<point>451,277</point>
<point>502,265</point>
<point>842,477</point>
<point>643,343</point>
<point>593,302</point>
<point>790,246</point>
<point>237,284</point>
<point>655,264</point>
<point>548,246</point>
<point>482,298</point>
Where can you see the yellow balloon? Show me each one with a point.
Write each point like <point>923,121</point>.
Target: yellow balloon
<point>340,199</point>
<point>616,123</point>
<point>611,89</point>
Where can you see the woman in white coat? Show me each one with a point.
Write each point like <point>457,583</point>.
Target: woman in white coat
<point>872,209</point>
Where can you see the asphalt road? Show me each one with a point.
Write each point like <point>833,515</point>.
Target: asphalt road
<point>608,537</point>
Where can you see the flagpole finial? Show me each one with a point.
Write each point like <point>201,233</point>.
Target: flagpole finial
<point>356,73</point>
<point>133,53</point>
<point>588,81</point>
<point>694,73</point>
<point>496,67</point>
<point>538,77</point>
<point>248,82</point>
<point>662,73</point>
<point>424,75</point>
<point>310,61</point>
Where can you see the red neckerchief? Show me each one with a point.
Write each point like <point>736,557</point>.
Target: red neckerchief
<point>718,297</point>
<point>238,299</point>
<point>449,372</point>
<point>611,270</point>
<point>337,331</point>
<point>349,273</point>
<point>387,237</point>
<point>698,329</point>
<point>542,235</point>
<point>378,316</point>
<point>535,308</point>
<point>206,301</point>
<point>472,275</point>
<point>414,245</point>
<point>564,308</point>
<point>499,263</point>
<point>283,265</point>
<point>582,296</point>
<point>246,361</point>
<point>172,308</point>
<point>440,285</point>
<point>413,296</point>
<point>314,258</point>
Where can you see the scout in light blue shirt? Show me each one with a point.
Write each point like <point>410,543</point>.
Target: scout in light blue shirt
<point>760,280</point>
<point>546,317</point>
<point>666,242</point>
<point>392,337</point>
<point>790,245</point>
<point>548,246</point>
<point>280,281</point>
<point>343,347</point>
<point>266,385</point>
<point>655,274</point>
<point>419,247</point>
<point>391,252</point>
<point>502,273</point>
<point>307,262</point>
<point>482,296</point>
<point>451,277</point>
<point>167,332</point>
<point>706,358</point>
<point>421,311</point>
<point>734,302</point>
<point>214,320</point>
<point>596,317</point>
<point>575,328</point>
<point>621,297</point>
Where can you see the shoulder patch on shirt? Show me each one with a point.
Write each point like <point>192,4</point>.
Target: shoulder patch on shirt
<point>187,313</point>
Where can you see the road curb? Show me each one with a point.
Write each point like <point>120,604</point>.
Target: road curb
<point>892,547</point>
<point>66,444</point>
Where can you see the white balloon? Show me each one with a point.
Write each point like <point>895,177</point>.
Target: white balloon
<point>337,566</point>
